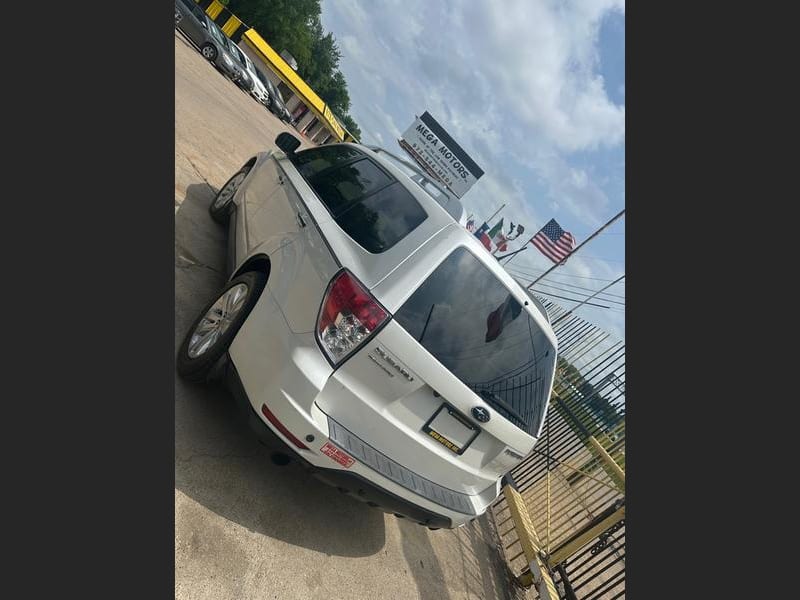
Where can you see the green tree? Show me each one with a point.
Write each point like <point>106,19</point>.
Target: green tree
<point>336,95</point>
<point>285,24</point>
<point>295,26</point>
<point>351,126</point>
<point>325,56</point>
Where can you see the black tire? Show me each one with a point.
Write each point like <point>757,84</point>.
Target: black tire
<point>211,49</point>
<point>198,368</point>
<point>220,208</point>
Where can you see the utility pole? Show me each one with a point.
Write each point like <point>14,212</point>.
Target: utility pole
<point>555,266</point>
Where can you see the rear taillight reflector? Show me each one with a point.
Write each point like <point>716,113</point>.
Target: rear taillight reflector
<point>348,317</point>
<point>280,427</point>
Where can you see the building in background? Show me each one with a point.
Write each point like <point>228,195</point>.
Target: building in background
<point>312,117</point>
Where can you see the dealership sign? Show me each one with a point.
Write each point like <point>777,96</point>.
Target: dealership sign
<point>439,154</point>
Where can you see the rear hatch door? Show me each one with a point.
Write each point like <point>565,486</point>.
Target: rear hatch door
<point>461,347</point>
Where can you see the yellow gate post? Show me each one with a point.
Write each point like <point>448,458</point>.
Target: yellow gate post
<point>539,573</point>
<point>609,464</point>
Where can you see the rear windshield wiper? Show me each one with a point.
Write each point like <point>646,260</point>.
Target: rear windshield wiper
<point>492,397</point>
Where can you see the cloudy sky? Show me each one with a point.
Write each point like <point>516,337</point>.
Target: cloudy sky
<point>533,90</point>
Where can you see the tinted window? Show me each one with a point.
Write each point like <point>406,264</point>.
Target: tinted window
<point>195,10</point>
<point>366,202</point>
<point>338,188</point>
<point>312,161</point>
<point>471,324</point>
<point>235,51</point>
<point>381,220</point>
<point>215,32</point>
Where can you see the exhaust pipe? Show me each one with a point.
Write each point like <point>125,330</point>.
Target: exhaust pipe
<point>280,459</point>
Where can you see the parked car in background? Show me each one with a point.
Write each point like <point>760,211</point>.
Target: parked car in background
<point>277,105</point>
<point>259,91</point>
<point>268,87</point>
<point>369,335</point>
<point>213,44</point>
<point>245,81</point>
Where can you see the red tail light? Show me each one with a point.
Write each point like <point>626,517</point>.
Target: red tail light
<point>349,317</point>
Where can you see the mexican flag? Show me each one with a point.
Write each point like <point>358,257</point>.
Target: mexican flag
<point>487,238</point>
<point>508,310</point>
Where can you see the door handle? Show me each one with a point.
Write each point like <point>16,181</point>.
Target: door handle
<point>300,220</point>
<point>281,180</point>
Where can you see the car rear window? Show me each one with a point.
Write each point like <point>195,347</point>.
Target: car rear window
<point>467,319</point>
<point>365,201</point>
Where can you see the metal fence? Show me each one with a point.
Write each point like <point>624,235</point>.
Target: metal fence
<point>572,484</point>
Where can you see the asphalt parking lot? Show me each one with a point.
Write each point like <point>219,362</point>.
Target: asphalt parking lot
<point>245,528</point>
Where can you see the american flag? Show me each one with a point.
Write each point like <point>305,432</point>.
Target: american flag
<point>555,243</point>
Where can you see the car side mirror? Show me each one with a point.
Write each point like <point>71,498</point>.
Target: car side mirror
<point>287,142</point>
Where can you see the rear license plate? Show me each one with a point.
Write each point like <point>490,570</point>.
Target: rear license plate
<point>450,429</point>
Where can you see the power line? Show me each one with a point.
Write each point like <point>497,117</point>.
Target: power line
<point>566,274</point>
<point>570,299</point>
<point>580,294</point>
<point>579,246</point>
<point>586,301</point>
<point>521,272</point>
<point>601,258</point>
<point>583,294</point>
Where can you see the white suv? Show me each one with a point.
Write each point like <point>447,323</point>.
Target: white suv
<point>371,334</point>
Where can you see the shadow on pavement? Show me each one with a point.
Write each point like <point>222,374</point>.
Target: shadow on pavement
<point>218,462</point>
<point>482,571</point>
<point>422,561</point>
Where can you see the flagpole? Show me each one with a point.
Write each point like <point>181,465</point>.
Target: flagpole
<point>511,255</point>
<point>572,310</point>
<point>495,214</point>
<point>595,234</point>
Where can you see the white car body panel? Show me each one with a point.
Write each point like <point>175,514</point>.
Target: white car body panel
<point>280,364</point>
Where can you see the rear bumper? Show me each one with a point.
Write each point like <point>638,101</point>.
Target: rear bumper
<point>349,483</point>
<point>285,372</point>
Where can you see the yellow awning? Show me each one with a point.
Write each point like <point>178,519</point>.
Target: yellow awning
<point>294,81</point>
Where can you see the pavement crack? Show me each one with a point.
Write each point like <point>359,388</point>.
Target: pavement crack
<point>199,174</point>
<point>185,260</point>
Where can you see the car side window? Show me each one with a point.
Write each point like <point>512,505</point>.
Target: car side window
<point>215,33</point>
<point>338,188</point>
<point>312,161</point>
<point>382,219</point>
<point>370,205</point>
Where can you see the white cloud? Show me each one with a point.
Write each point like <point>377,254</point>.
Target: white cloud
<point>518,85</point>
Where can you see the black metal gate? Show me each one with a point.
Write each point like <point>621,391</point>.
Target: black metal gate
<point>572,484</point>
